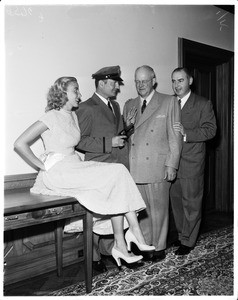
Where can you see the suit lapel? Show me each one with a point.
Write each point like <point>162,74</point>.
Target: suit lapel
<point>104,108</point>
<point>150,109</point>
<point>117,115</point>
<point>189,104</point>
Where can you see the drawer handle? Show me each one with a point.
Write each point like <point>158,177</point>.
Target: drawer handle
<point>53,212</point>
<point>57,211</point>
<point>11,218</point>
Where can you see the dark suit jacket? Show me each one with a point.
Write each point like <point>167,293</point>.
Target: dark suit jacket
<point>98,125</point>
<point>198,119</point>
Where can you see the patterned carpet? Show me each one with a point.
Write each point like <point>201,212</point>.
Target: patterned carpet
<point>207,270</point>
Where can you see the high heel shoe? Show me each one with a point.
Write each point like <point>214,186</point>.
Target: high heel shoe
<point>130,238</point>
<point>117,255</point>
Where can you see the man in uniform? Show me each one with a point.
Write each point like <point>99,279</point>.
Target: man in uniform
<point>100,122</point>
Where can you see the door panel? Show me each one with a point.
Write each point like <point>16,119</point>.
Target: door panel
<point>213,72</point>
<point>203,83</point>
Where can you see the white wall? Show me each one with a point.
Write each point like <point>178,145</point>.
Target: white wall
<point>45,42</point>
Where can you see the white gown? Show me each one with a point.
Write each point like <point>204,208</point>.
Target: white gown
<point>103,188</point>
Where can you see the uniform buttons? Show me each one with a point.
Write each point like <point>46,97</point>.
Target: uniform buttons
<point>147,158</point>
<point>133,144</point>
<point>152,130</point>
<point>147,144</point>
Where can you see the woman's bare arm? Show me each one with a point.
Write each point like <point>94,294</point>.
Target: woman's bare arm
<point>25,140</point>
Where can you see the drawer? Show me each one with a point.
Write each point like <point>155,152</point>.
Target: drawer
<point>42,216</point>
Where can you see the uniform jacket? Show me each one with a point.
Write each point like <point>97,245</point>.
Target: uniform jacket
<point>198,119</point>
<point>154,144</point>
<point>98,125</point>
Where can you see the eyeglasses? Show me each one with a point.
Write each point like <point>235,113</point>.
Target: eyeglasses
<point>137,82</point>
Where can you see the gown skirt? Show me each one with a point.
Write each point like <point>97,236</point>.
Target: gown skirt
<point>103,188</point>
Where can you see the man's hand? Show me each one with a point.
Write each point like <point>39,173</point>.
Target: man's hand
<point>170,173</point>
<point>131,116</point>
<point>179,127</point>
<point>118,141</point>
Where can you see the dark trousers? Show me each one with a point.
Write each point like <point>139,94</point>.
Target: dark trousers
<point>186,202</point>
<point>102,245</point>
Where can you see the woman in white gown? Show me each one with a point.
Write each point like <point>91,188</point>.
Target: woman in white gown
<point>106,189</point>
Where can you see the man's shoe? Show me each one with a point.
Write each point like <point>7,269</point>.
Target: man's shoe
<point>155,256</point>
<point>158,255</point>
<point>176,243</point>
<point>99,266</point>
<point>183,250</point>
<point>147,256</point>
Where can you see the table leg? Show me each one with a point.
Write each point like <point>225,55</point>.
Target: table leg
<point>59,246</point>
<point>88,253</point>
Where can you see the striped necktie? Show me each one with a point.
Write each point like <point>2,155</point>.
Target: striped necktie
<point>143,107</point>
<point>109,105</point>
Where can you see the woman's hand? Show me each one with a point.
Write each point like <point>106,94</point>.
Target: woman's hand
<point>131,116</point>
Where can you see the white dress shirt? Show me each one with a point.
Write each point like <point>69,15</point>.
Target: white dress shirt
<point>148,98</point>
<point>184,99</point>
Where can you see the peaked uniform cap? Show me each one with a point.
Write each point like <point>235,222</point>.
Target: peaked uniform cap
<point>112,72</point>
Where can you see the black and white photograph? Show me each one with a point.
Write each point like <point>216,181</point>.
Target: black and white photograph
<point>119,132</point>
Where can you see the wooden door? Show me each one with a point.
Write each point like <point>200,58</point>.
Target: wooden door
<point>213,72</point>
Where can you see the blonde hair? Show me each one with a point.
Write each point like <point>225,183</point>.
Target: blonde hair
<point>57,97</point>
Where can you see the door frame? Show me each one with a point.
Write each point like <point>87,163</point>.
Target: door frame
<point>193,51</point>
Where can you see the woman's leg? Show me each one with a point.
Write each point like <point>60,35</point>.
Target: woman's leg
<point>135,235</point>
<point>119,240</point>
<point>117,225</point>
<point>134,226</point>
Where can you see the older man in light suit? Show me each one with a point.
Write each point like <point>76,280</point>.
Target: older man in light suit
<point>153,155</point>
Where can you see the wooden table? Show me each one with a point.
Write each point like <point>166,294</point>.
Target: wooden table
<point>24,209</point>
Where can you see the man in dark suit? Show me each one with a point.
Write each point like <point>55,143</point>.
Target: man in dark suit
<point>154,155</point>
<point>100,122</point>
<point>198,124</point>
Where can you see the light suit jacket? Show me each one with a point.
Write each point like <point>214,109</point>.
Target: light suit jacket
<point>154,144</point>
<point>198,119</point>
<point>98,125</point>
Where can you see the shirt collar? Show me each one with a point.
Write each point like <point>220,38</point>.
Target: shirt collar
<point>148,98</point>
<point>102,98</point>
<point>184,99</point>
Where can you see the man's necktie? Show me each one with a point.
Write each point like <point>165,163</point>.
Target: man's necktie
<point>179,102</point>
<point>143,107</point>
<point>109,105</point>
